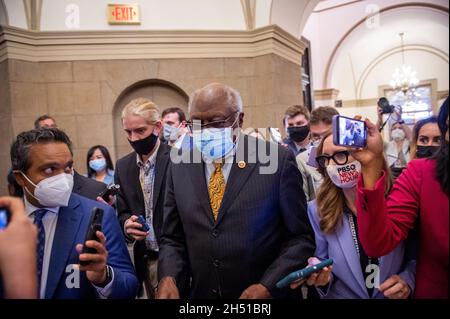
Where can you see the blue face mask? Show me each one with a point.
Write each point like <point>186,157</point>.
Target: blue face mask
<point>98,164</point>
<point>214,143</point>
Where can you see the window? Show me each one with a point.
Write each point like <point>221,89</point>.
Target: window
<point>416,105</point>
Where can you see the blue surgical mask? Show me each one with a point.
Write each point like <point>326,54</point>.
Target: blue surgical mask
<point>214,143</point>
<point>98,165</point>
<point>170,133</point>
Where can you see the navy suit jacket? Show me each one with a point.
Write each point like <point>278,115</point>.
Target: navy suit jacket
<point>70,230</point>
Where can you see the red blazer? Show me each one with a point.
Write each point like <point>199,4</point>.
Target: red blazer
<point>383,224</point>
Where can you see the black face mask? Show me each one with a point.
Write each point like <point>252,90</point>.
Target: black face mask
<point>144,146</point>
<point>426,151</point>
<point>298,133</point>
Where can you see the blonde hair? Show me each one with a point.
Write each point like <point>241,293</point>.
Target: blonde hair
<point>144,108</point>
<point>330,199</point>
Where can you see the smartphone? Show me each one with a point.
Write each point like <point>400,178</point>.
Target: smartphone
<point>5,216</point>
<point>111,190</point>
<point>141,220</point>
<point>95,224</point>
<point>303,273</point>
<point>349,132</point>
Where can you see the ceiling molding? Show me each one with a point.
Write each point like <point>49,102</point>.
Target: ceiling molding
<point>337,6</point>
<point>249,10</point>
<point>16,43</point>
<point>33,10</point>
<point>414,47</point>
<point>3,8</point>
<point>327,75</point>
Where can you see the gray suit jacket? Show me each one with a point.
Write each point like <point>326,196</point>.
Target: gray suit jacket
<point>262,232</point>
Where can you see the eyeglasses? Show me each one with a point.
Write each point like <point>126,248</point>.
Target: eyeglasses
<point>196,125</point>
<point>340,158</point>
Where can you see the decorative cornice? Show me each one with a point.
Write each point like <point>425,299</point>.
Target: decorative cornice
<point>326,94</point>
<point>36,46</point>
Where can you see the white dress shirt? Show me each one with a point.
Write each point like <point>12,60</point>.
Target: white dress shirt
<point>50,221</point>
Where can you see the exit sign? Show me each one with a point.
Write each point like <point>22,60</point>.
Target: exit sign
<point>123,14</point>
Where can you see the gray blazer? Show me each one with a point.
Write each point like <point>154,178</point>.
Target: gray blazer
<point>347,278</point>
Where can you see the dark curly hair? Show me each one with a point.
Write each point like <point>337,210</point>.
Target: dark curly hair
<point>20,149</point>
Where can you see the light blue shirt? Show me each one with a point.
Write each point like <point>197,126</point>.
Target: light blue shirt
<point>50,220</point>
<point>109,177</point>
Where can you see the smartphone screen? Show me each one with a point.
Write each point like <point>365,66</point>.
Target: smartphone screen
<point>350,132</point>
<point>4,218</point>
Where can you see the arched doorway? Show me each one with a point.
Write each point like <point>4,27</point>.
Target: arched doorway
<point>165,94</point>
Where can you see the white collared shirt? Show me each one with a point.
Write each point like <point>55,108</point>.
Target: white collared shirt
<point>226,168</point>
<point>49,220</point>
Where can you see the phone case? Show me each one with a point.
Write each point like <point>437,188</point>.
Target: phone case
<point>144,224</point>
<point>303,273</point>
<point>95,224</point>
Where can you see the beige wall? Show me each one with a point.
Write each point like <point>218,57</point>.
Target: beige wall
<point>6,132</point>
<point>82,95</point>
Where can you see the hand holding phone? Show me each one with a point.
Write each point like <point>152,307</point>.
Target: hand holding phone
<point>303,273</point>
<point>111,190</point>
<point>144,224</point>
<point>134,228</point>
<point>95,224</point>
<point>349,132</point>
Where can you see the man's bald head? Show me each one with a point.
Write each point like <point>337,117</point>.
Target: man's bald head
<point>213,102</point>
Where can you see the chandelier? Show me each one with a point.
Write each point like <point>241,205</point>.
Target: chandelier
<point>404,77</point>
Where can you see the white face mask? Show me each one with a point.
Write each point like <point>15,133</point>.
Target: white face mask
<point>398,134</point>
<point>345,176</point>
<point>54,191</point>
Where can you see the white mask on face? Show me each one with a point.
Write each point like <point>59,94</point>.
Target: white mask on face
<point>54,191</point>
<point>345,176</point>
<point>398,134</point>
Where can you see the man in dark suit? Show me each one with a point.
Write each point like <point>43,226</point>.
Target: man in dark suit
<point>141,176</point>
<point>238,225</point>
<point>87,187</point>
<point>42,164</point>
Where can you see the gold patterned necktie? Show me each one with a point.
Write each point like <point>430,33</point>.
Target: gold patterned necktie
<point>216,189</point>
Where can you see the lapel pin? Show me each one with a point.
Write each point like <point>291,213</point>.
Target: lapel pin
<point>242,164</point>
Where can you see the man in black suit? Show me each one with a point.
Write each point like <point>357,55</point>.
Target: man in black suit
<point>87,187</point>
<point>238,225</point>
<point>141,176</point>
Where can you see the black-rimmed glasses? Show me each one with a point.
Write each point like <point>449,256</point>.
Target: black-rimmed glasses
<point>340,158</point>
<point>196,125</point>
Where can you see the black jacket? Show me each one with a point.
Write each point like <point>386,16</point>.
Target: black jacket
<point>261,235</point>
<point>87,187</point>
<point>130,200</point>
